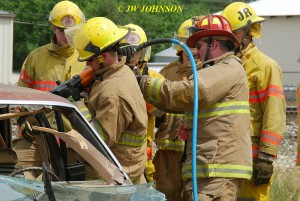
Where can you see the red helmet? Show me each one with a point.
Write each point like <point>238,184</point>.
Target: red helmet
<point>212,26</point>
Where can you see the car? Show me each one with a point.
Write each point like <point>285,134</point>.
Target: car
<point>76,164</point>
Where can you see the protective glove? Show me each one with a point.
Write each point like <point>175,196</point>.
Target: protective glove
<point>263,169</point>
<point>25,129</point>
<point>127,51</point>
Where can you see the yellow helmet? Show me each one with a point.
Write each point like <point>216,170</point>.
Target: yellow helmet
<point>182,31</point>
<point>240,14</point>
<point>136,37</point>
<point>66,14</point>
<point>183,34</point>
<point>96,36</point>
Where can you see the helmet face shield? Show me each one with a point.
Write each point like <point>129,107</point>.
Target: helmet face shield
<point>192,30</point>
<point>70,33</point>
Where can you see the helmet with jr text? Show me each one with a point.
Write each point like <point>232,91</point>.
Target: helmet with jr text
<point>240,14</point>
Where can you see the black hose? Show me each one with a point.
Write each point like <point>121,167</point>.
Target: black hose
<point>153,42</point>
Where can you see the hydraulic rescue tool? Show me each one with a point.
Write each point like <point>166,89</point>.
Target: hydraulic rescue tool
<point>75,85</point>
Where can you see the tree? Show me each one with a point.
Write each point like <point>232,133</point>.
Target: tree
<point>30,27</point>
<point>159,18</point>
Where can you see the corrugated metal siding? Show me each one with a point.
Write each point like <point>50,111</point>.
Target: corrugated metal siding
<point>276,7</point>
<point>6,50</point>
<point>281,41</point>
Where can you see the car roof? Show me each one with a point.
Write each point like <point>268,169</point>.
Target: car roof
<point>12,94</point>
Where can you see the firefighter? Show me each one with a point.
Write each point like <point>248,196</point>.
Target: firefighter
<point>114,101</point>
<point>170,146</point>
<point>56,60</point>
<point>223,136</point>
<point>138,63</point>
<point>267,101</point>
<point>42,67</point>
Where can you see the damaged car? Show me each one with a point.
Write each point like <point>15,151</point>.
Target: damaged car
<point>49,151</point>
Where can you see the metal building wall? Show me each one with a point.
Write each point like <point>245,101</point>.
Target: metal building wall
<point>281,41</point>
<point>6,50</point>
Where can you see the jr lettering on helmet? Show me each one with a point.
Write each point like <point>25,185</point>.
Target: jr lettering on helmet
<point>245,13</point>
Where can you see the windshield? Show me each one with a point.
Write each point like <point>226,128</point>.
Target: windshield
<point>22,189</point>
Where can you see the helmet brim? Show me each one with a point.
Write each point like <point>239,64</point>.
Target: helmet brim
<point>253,21</point>
<point>193,39</point>
<point>123,33</point>
<point>258,20</point>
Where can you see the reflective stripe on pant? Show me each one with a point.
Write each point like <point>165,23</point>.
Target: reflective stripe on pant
<point>250,192</point>
<point>212,189</point>
<point>168,173</point>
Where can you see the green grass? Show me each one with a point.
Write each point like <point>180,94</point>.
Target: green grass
<point>286,186</point>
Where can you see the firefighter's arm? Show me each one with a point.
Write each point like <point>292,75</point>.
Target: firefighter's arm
<point>271,99</point>
<point>272,103</point>
<point>154,111</point>
<point>161,94</point>
<point>26,78</point>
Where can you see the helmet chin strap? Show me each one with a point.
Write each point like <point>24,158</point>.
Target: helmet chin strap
<point>246,29</point>
<point>209,43</point>
<point>101,61</point>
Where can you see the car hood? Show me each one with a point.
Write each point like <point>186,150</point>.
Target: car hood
<point>16,94</point>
